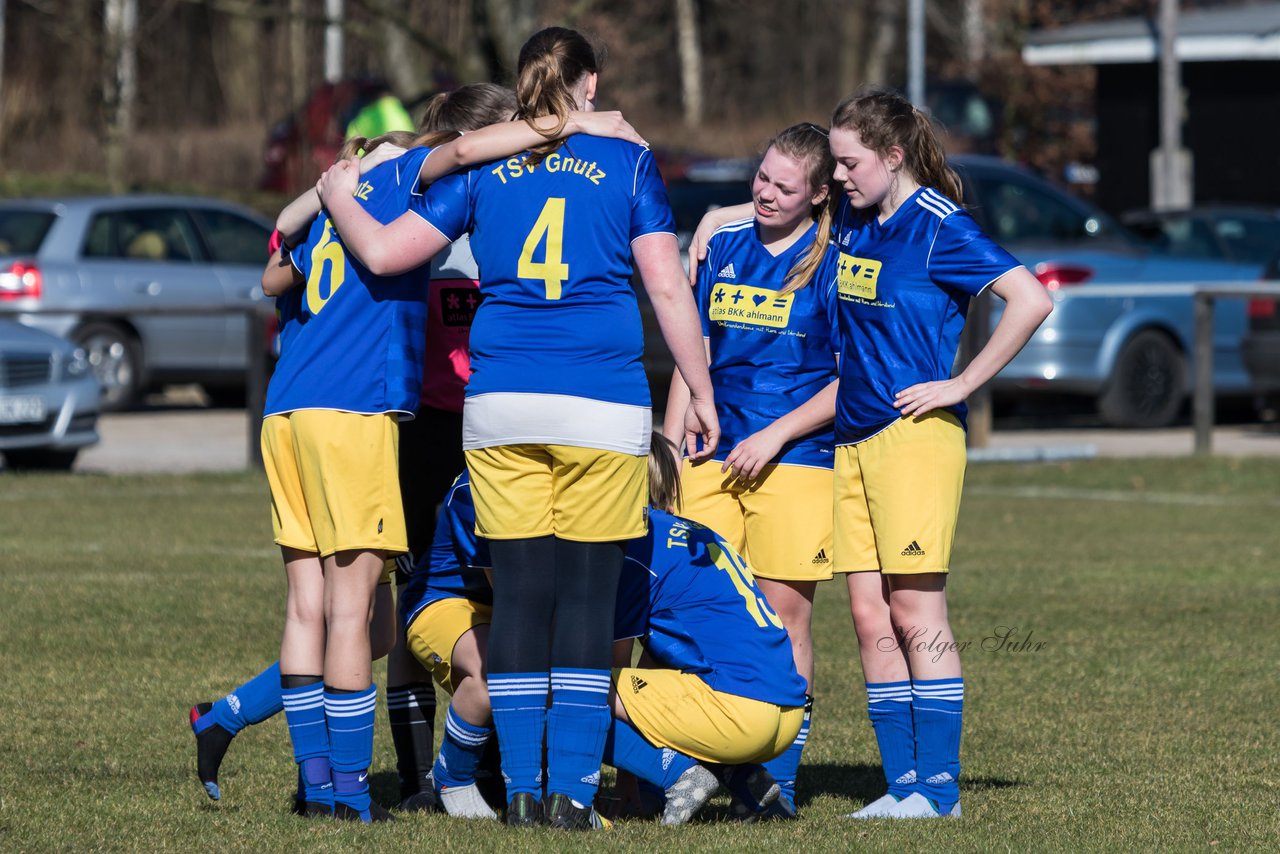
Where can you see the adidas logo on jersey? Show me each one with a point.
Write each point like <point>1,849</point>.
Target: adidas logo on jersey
<point>913,550</point>
<point>379,526</point>
<point>727,272</point>
<point>821,557</point>
<point>637,683</point>
<point>844,241</point>
<point>940,779</point>
<point>234,702</point>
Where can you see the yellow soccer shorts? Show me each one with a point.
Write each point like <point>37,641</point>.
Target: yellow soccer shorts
<point>583,494</point>
<point>680,711</point>
<point>781,522</point>
<point>897,497</point>
<point>436,631</point>
<point>335,483</point>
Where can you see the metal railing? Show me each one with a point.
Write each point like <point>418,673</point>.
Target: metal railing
<point>1202,398</point>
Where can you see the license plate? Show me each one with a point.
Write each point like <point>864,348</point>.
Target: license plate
<point>25,409</point>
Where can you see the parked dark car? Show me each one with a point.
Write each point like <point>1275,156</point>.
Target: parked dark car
<point>99,259</point>
<point>1221,232</point>
<point>48,398</point>
<point>1262,347</point>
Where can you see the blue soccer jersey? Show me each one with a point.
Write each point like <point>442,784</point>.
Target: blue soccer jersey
<point>769,353</point>
<point>694,604</point>
<point>553,246</point>
<point>356,344</point>
<point>904,287</point>
<point>453,568</point>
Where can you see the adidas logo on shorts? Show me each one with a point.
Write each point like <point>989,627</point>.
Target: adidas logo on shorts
<point>234,702</point>
<point>913,550</point>
<point>821,557</point>
<point>727,272</point>
<point>637,683</point>
<point>379,526</point>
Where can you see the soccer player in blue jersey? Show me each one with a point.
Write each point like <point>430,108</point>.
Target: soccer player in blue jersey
<point>556,421</point>
<point>766,294</point>
<point>910,260</point>
<point>352,366</point>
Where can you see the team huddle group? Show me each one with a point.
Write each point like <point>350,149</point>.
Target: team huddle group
<point>458,330</point>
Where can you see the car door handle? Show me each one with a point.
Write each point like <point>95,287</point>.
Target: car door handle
<point>148,288</point>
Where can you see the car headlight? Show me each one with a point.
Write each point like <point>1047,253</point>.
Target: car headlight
<point>78,364</point>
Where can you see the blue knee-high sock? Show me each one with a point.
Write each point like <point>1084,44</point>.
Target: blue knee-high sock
<point>577,726</point>
<point>461,750</point>
<point>304,710</point>
<point>938,705</point>
<point>786,767</point>
<point>889,707</point>
<point>251,703</point>
<point>627,750</point>
<point>350,716</point>
<point>519,702</point>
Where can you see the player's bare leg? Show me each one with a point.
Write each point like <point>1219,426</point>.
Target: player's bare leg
<point>351,579</point>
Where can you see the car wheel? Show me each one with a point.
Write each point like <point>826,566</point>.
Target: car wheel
<point>116,360</point>
<point>41,458</point>
<point>1148,383</point>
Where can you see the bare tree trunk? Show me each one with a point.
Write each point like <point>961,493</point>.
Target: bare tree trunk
<point>853,35</point>
<point>334,41</point>
<point>510,23</point>
<point>120,87</point>
<point>689,47</point>
<point>884,41</point>
<point>238,57</point>
<point>2,126</point>
<point>404,65</point>
<point>975,37</point>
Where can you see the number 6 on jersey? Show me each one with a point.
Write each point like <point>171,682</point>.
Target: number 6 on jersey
<point>551,271</point>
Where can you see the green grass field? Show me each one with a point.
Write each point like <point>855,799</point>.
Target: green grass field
<point>1132,705</point>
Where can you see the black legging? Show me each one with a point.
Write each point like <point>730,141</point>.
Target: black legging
<point>553,604</point>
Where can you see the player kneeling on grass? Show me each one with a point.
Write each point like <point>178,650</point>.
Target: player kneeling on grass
<point>693,604</point>
<point>725,695</point>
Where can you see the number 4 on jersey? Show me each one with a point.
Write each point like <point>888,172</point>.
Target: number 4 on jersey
<point>551,271</point>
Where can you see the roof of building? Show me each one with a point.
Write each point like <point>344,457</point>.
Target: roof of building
<point>1238,33</point>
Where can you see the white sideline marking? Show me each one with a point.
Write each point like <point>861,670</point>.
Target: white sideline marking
<point>1119,496</point>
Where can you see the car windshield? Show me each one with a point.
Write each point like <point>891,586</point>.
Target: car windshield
<point>22,231</point>
<point>1252,239</point>
<point>1016,211</point>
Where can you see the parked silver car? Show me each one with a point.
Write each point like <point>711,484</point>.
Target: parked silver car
<point>48,399</point>
<point>99,260</point>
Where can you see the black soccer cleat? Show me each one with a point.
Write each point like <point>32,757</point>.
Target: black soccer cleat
<point>424,801</point>
<point>753,788</point>
<point>524,811</point>
<point>376,814</point>
<point>564,814</point>
<point>211,746</point>
<point>311,809</point>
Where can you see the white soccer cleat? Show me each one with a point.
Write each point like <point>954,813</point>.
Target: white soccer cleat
<point>879,808</point>
<point>466,802</point>
<point>688,794</point>
<point>917,805</point>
